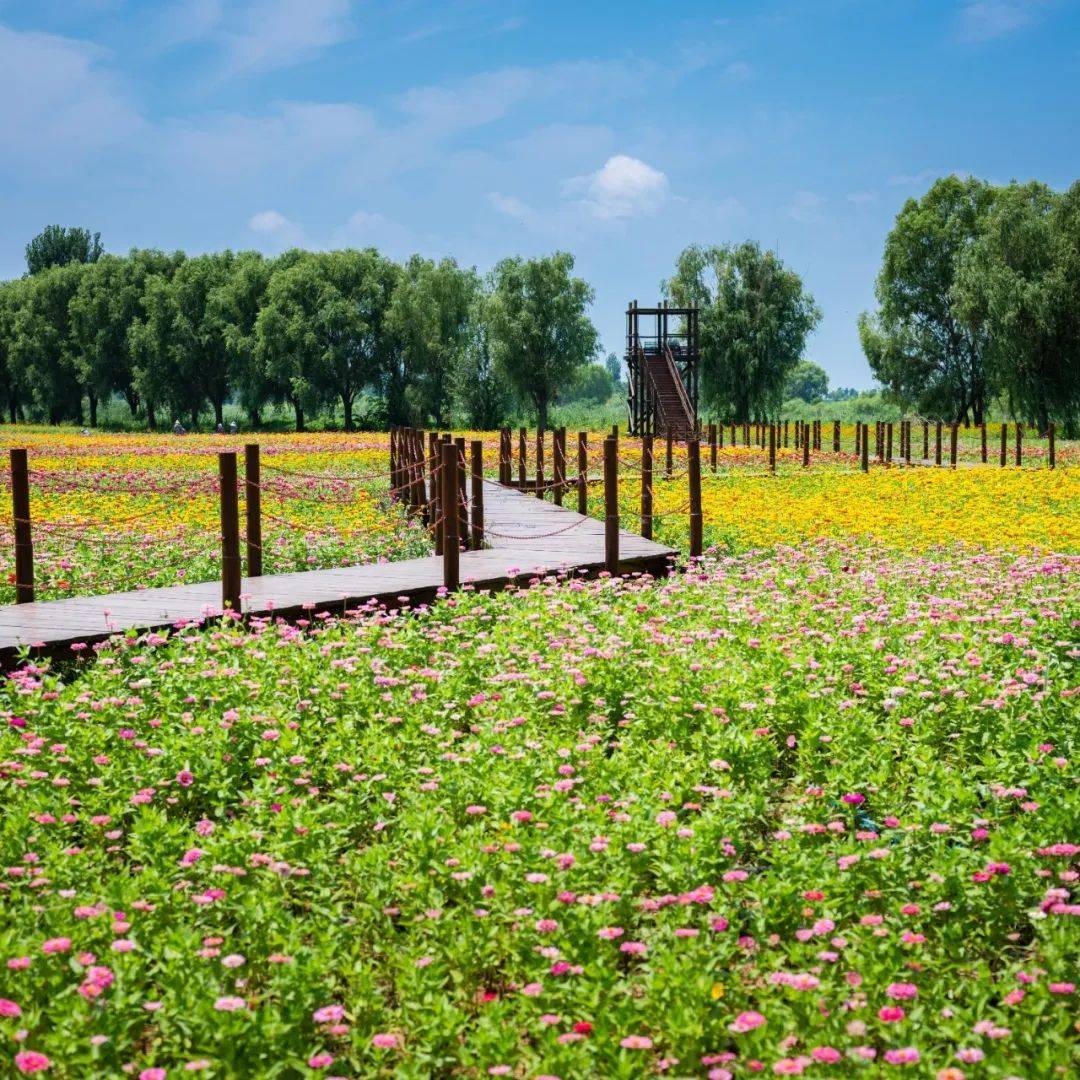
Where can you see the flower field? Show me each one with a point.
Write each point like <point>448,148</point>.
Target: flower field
<point>809,808</point>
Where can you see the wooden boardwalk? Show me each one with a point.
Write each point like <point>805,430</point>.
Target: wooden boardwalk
<point>526,536</point>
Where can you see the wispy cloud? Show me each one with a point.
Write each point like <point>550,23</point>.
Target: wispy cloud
<point>806,207</point>
<point>61,103</point>
<point>985,20</point>
<point>512,207</point>
<point>276,228</point>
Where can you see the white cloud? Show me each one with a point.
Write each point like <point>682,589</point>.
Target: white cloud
<point>59,103</point>
<point>862,198</point>
<point>984,20</point>
<point>914,179</point>
<point>623,187</point>
<point>366,228</point>
<point>806,207</point>
<point>279,33</point>
<point>277,228</point>
<point>512,207</point>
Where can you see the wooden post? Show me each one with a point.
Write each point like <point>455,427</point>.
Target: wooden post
<point>982,439</point>
<point>925,439</point>
<point>646,486</point>
<point>611,505</point>
<point>836,436</point>
<point>523,474</point>
<point>772,448</point>
<point>786,434</point>
<point>712,446</point>
<point>693,453</point>
<point>463,493</point>
<point>230,532</point>
<point>888,442</point>
<point>1019,442</point>
<point>451,543</point>
<point>539,463</point>
<point>393,465</point>
<point>435,489</point>
<point>1051,456</point>
<point>559,449</point>
<point>504,455</point>
<point>907,443</point>
<point>720,436</point>
<point>805,448</point>
<point>20,510</point>
<point>937,443</point>
<point>858,437</point>
<point>865,447</point>
<point>1004,443</point>
<point>477,449</point>
<point>669,460</point>
<point>953,433</point>
<point>253,509</point>
<point>583,472</point>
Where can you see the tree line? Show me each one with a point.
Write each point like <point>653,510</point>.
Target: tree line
<point>979,303</point>
<point>174,334</point>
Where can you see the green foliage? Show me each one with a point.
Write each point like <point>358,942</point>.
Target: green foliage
<point>807,381</point>
<point>1019,288</point>
<point>58,246</point>
<point>540,332</point>
<point>591,384</point>
<point>755,316</point>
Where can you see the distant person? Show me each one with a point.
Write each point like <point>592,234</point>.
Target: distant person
<point>220,429</point>
<point>178,428</point>
<point>233,428</point>
<point>85,431</point>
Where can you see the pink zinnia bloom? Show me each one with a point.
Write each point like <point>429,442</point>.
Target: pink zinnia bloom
<point>57,945</point>
<point>901,991</point>
<point>905,1055</point>
<point>9,1008</point>
<point>746,1021</point>
<point>185,778</point>
<point>634,948</point>
<point>890,1014</point>
<point>230,1004</point>
<point>155,1073</point>
<point>328,1014</point>
<point>320,1061</point>
<point>827,1055</point>
<point>636,1042</point>
<point>385,1040</point>
<point>30,1061</point>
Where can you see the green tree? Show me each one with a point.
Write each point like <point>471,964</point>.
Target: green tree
<point>43,348</point>
<point>755,316</point>
<point>807,381</point>
<point>58,246</point>
<point>12,297</point>
<point>540,332</point>
<point>151,341</point>
<point>481,394</point>
<point>429,316</point>
<point>614,369</point>
<point>591,383</point>
<point>917,344</point>
<point>1018,287</point>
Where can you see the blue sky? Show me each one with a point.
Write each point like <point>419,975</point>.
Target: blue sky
<point>618,131</point>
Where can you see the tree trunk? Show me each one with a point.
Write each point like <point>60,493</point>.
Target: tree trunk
<point>132,399</point>
<point>346,405</point>
<point>93,407</point>
<point>542,411</point>
<point>299,409</point>
<point>13,405</point>
<point>219,411</point>
<point>151,418</point>
<point>254,419</point>
<point>194,418</point>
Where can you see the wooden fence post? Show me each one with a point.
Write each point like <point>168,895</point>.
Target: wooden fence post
<point>1050,450</point>
<point>858,437</point>
<point>888,441</point>
<point>1019,442</point>
<point>539,462</point>
<point>253,509</point>
<point>504,455</point>
<point>559,450</point>
<point>937,443</point>
<point>720,436</point>
<point>693,453</point>
<point>712,446</point>
<point>925,439</point>
<point>435,489</point>
<point>865,447</point>
<point>20,510</point>
<point>907,443</point>
<point>953,433</point>
<point>393,465</point>
<point>451,543</point>
<point>463,493</point>
<point>583,472</point>
<point>477,449</point>
<point>646,486</point>
<point>611,505</point>
<point>1004,443</point>
<point>523,465</point>
<point>836,436</point>
<point>230,532</point>
<point>982,440</point>
<point>772,447</point>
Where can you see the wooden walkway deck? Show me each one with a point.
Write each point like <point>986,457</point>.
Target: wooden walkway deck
<point>521,545</point>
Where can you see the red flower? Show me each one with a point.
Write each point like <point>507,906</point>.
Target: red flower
<point>583,1027</point>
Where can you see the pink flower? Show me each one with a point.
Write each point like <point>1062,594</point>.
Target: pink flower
<point>532,989</point>
<point>905,1055</point>
<point>634,948</point>
<point>385,1040</point>
<point>827,1055</point>
<point>185,778</point>
<point>1061,988</point>
<point>9,1008</point>
<point>969,1055</point>
<point>320,1061</point>
<point>746,1021</point>
<point>155,1073</point>
<point>853,798</point>
<point>901,991</point>
<point>57,945</point>
<point>890,1014</point>
<point>636,1042</point>
<point>546,926</point>
<point>30,1061</point>
<point>328,1014</point>
<point>791,1066</point>
<point>230,1004</point>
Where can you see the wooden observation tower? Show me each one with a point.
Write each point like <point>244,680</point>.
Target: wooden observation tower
<point>662,361</point>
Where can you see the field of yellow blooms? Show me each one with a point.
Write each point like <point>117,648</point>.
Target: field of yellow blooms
<point>115,512</point>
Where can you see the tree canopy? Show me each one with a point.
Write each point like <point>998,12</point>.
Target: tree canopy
<point>58,246</point>
<point>808,382</point>
<point>755,317</point>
